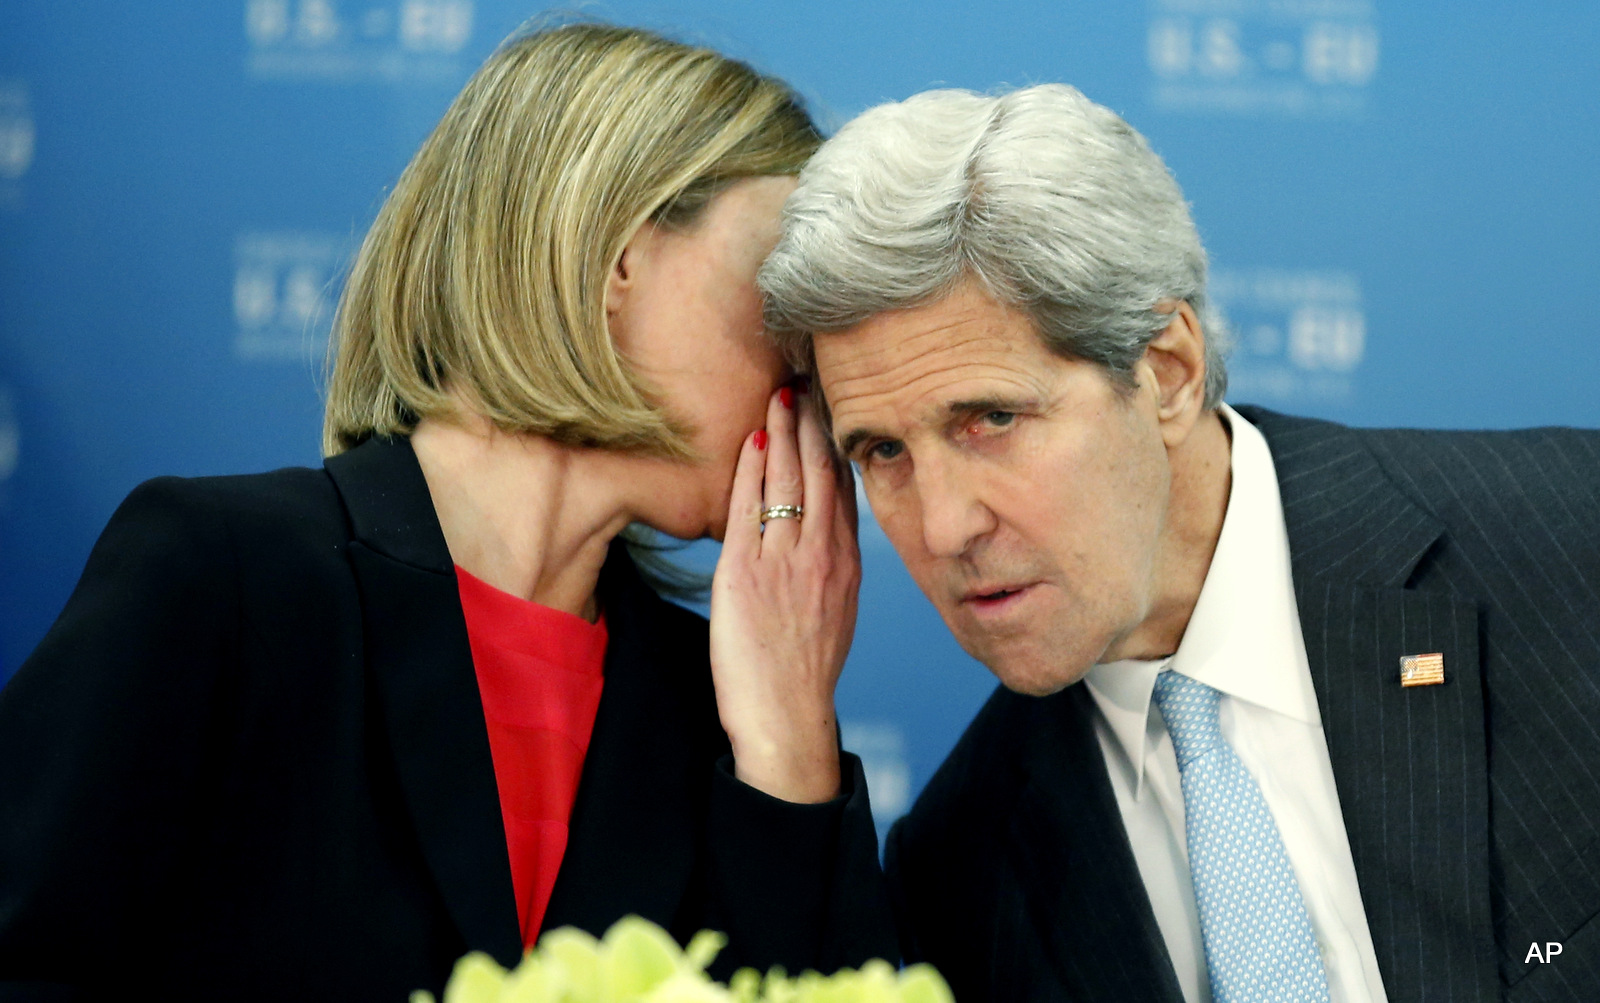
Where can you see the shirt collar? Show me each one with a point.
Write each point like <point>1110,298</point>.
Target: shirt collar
<point>1123,691</point>
<point>1243,637</point>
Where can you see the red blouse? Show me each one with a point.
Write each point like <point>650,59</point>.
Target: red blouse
<point>540,675</point>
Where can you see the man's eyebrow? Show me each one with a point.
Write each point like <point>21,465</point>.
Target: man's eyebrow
<point>981,405</point>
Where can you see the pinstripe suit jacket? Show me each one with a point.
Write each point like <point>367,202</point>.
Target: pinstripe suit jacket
<point>1473,808</point>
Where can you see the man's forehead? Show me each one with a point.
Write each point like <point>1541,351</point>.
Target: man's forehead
<point>948,331</point>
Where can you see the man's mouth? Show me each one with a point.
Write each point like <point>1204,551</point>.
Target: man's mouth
<point>987,598</point>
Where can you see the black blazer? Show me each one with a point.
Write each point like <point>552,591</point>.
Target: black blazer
<point>249,761</point>
<point>1473,808</point>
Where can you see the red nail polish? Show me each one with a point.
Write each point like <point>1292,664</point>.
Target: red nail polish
<point>761,438</point>
<point>786,397</point>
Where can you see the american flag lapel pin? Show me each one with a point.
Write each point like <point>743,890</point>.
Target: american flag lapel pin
<point>1422,670</point>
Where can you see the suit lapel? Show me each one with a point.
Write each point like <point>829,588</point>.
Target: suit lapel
<point>421,668</point>
<point>646,779</point>
<point>1411,764</point>
<point>1077,868</point>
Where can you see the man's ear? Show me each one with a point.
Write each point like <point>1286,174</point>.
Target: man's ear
<point>1175,363</point>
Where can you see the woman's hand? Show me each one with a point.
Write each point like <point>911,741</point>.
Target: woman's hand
<point>783,605</point>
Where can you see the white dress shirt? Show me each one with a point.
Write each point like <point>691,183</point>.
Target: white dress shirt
<point>1244,641</point>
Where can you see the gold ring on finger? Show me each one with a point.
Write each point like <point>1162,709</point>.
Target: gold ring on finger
<point>782,512</point>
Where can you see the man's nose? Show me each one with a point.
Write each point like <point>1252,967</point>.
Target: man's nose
<point>954,514</point>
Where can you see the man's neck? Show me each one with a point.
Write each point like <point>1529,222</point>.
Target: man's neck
<point>1201,481</point>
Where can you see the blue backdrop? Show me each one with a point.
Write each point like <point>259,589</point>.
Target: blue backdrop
<point>1399,201</point>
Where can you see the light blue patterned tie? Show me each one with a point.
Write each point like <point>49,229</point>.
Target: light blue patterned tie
<point>1259,944</point>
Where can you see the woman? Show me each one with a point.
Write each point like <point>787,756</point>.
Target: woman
<point>319,732</point>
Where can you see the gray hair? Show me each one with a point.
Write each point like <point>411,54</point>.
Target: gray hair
<point>1054,203</point>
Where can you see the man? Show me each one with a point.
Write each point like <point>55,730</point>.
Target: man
<point>1338,733</point>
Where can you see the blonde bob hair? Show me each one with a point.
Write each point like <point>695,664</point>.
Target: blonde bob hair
<point>482,281</point>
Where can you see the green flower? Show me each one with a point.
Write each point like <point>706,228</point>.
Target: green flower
<point>638,962</point>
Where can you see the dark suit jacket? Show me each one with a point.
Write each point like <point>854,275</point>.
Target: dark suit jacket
<point>249,762</point>
<point>1473,808</point>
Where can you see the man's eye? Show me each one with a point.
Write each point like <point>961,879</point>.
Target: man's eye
<point>888,449</point>
<point>989,422</point>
